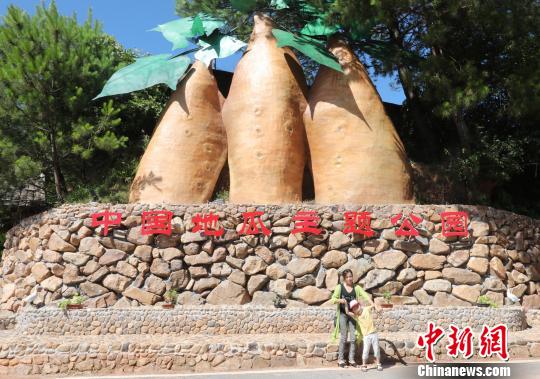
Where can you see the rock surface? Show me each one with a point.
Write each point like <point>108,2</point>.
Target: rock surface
<point>59,252</point>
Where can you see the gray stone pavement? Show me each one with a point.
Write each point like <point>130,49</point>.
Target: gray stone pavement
<point>521,370</point>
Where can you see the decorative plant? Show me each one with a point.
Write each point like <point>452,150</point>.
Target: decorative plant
<point>342,92</point>
<point>484,299</point>
<point>171,296</point>
<point>309,24</point>
<point>74,300</point>
<point>211,38</point>
<point>202,34</point>
<point>188,148</point>
<point>264,114</point>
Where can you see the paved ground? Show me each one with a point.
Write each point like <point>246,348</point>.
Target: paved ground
<point>316,373</point>
<point>521,370</point>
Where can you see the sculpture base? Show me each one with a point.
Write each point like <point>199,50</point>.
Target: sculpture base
<point>61,252</point>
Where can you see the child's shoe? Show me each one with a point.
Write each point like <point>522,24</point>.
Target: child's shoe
<point>379,367</point>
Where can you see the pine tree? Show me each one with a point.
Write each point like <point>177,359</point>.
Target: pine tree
<point>50,69</point>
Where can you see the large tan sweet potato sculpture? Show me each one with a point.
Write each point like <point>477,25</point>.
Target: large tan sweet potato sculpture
<point>188,149</point>
<point>263,120</point>
<point>357,156</point>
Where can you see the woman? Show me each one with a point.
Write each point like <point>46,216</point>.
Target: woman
<point>344,293</point>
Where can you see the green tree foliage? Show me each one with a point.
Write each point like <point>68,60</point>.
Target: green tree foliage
<point>50,69</point>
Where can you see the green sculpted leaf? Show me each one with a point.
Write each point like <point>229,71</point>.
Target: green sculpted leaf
<point>319,28</point>
<point>218,47</point>
<point>210,23</point>
<point>279,4</point>
<point>197,29</point>
<point>146,72</point>
<point>307,46</point>
<point>179,32</point>
<point>245,6</point>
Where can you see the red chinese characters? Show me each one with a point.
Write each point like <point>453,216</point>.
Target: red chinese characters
<point>306,222</point>
<point>430,339</point>
<point>494,341</point>
<point>159,222</point>
<point>358,223</point>
<point>208,223</point>
<point>454,224</point>
<point>156,222</point>
<point>407,227</point>
<point>106,219</point>
<point>460,342</point>
<point>252,223</point>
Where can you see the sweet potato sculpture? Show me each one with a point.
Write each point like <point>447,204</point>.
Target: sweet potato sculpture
<point>188,148</point>
<point>357,156</point>
<point>263,120</point>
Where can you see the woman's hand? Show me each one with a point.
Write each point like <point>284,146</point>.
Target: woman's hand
<point>350,314</point>
<point>342,301</point>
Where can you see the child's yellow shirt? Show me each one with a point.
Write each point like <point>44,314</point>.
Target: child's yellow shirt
<point>365,321</point>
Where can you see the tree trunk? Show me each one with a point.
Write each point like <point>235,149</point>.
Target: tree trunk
<point>59,182</point>
<point>462,129</point>
<point>428,141</point>
<point>427,136</point>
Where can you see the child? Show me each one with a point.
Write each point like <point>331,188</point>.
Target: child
<point>369,333</point>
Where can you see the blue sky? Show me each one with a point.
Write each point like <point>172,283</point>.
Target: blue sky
<point>129,21</point>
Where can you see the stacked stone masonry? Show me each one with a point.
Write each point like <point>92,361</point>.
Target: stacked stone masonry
<point>58,253</point>
<point>233,320</point>
<point>533,317</point>
<point>49,341</point>
<point>24,355</point>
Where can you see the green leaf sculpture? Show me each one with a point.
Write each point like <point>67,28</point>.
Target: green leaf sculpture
<point>180,32</point>
<point>197,29</point>
<point>206,32</point>
<point>210,23</point>
<point>219,46</point>
<point>146,72</point>
<point>308,46</point>
<point>245,6</point>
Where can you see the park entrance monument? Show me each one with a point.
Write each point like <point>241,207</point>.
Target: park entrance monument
<point>172,281</point>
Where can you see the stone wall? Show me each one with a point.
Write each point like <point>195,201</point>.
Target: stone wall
<point>212,320</point>
<point>533,317</point>
<point>7,320</point>
<point>57,253</point>
<point>152,354</point>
